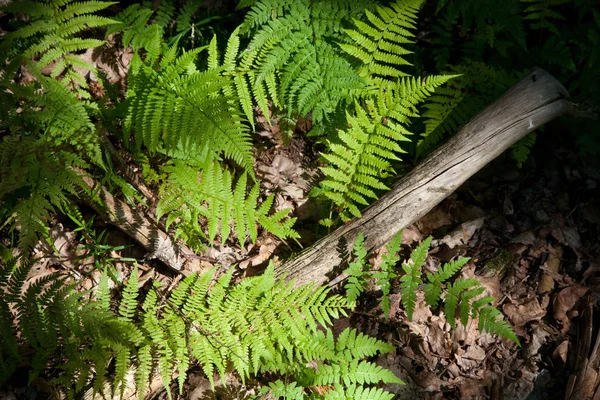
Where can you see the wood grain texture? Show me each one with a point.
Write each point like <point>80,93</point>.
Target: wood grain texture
<point>536,100</point>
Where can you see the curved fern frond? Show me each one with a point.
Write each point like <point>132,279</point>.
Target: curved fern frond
<point>541,14</point>
<point>181,112</point>
<point>362,156</point>
<point>292,60</point>
<point>433,289</point>
<point>411,280</point>
<point>386,273</point>
<point>356,282</point>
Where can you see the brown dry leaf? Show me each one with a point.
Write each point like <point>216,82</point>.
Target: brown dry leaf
<point>265,251</point>
<point>530,310</point>
<point>564,302</point>
<point>491,283</point>
<point>434,219</point>
<point>550,269</point>
<point>411,234</point>
<point>461,235</point>
<point>562,351</point>
<point>527,238</point>
<point>539,335</point>
<point>436,336</point>
<point>471,358</point>
<point>421,315</point>
<point>286,176</point>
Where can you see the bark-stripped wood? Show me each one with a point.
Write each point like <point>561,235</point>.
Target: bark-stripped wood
<point>536,100</point>
<point>158,244</point>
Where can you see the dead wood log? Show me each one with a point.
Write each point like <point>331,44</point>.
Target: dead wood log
<point>536,100</point>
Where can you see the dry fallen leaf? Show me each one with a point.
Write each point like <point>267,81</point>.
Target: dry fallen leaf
<point>564,302</point>
<point>461,235</point>
<point>530,310</point>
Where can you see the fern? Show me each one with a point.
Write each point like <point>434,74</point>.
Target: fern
<point>259,325</point>
<point>49,129</point>
<point>340,366</point>
<point>137,31</point>
<point>356,270</point>
<point>295,62</point>
<point>386,273</point>
<point>189,196</point>
<point>50,37</point>
<point>433,289</point>
<point>361,157</point>
<point>450,107</point>
<point>378,45</point>
<point>541,15</point>
<point>179,111</point>
<point>520,150</point>
<point>462,295</point>
<point>411,280</point>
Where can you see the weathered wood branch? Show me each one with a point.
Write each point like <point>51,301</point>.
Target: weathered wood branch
<point>536,100</point>
<point>158,244</point>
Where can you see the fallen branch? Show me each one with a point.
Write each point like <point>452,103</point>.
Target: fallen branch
<point>536,100</point>
<point>159,245</point>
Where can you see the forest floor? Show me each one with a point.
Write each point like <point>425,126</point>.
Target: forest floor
<point>532,236</point>
<point>532,233</point>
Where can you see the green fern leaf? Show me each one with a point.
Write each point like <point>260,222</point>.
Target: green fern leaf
<point>433,289</point>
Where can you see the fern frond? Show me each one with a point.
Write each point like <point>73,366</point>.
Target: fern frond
<point>361,372</point>
<point>378,45</point>
<point>212,195</point>
<point>491,321</point>
<point>455,296</point>
<point>291,58</point>
<point>357,392</point>
<point>51,35</point>
<point>386,273</point>
<point>130,292</point>
<point>180,112</point>
<point>451,106</point>
<point>520,150</point>
<point>541,15</point>
<point>366,151</point>
<point>433,289</point>
<point>356,282</point>
<point>411,280</point>
<point>351,344</point>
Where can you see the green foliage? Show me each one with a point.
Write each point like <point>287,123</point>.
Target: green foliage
<point>378,44</point>
<point>342,367</point>
<point>541,15</point>
<point>180,111</point>
<point>489,41</point>
<point>462,295</point>
<point>49,136</point>
<point>293,53</point>
<point>259,325</point>
<point>358,271</point>
<point>190,195</point>
<point>39,156</point>
<point>360,157</point>
<point>51,37</point>
<point>452,106</point>
<point>411,280</point>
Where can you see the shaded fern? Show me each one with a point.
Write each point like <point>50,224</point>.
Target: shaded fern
<point>462,295</point>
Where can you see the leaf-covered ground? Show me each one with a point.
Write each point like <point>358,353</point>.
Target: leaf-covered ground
<point>533,235</point>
